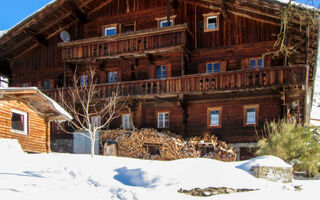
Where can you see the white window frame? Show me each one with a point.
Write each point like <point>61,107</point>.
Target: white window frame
<point>206,19</point>
<point>84,79</point>
<point>25,85</point>
<point>256,115</point>
<point>47,83</point>
<point>251,117</point>
<point>4,82</point>
<point>95,121</point>
<point>162,124</point>
<point>209,123</point>
<point>112,80</point>
<point>212,17</point>
<point>256,60</point>
<point>163,68</point>
<point>212,63</point>
<point>126,122</point>
<point>25,125</point>
<point>164,21</point>
<point>106,29</point>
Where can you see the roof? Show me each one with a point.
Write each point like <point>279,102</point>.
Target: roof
<point>37,101</point>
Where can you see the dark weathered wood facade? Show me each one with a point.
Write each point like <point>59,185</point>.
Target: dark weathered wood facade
<point>246,30</point>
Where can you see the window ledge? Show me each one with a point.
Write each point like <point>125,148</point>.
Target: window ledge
<point>18,132</point>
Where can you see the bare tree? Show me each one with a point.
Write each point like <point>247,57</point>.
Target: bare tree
<point>82,101</point>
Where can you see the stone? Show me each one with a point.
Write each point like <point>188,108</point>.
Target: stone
<point>283,174</point>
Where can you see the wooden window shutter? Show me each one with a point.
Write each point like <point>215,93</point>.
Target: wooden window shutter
<point>245,63</point>
<point>52,86</point>
<point>152,71</point>
<point>223,66</point>
<point>169,71</point>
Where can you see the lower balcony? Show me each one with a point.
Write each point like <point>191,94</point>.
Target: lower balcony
<point>205,83</point>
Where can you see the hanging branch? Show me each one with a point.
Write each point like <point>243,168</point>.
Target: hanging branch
<point>290,16</point>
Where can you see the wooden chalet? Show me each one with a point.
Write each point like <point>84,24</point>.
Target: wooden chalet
<point>25,115</point>
<point>189,66</point>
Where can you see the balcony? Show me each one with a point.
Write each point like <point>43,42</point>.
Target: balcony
<point>205,83</point>
<point>127,44</point>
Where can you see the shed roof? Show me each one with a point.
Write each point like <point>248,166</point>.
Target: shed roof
<point>37,101</point>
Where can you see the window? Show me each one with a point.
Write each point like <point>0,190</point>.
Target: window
<point>126,121</point>
<point>19,122</point>
<point>214,117</point>
<point>128,28</point>
<point>251,113</point>
<point>163,120</point>
<point>25,85</point>
<point>213,67</point>
<point>95,121</point>
<point>84,80</point>
<point>110,30</point>
<point>211,22</point>
<point>164,23</point>
<point>45,85</point>
<point>153,149</point>
<point>161,72</point>
<point>255,63</point>
<point>112,77</point>
<point>4,82</point>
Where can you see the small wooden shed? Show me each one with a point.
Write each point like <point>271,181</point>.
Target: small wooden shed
<point>25,115</point>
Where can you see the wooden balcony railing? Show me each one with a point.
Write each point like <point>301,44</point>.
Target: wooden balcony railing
<point>126,44</point>
<point>205,83</point>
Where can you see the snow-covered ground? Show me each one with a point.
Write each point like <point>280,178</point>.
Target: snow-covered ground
<point>66,176</point>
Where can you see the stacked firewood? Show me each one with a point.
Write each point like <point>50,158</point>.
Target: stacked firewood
<point>170,146</point>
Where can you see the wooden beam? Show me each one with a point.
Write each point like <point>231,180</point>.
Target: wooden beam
<point>99,7</point>
<point>38,37</point>
<point>77,11</point>
<point>255,18</point>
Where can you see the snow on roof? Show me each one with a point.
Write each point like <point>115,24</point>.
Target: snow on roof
<point>2,32</point>
<point>54,104</point>
<point>264,161</point>
<point>295,3</point>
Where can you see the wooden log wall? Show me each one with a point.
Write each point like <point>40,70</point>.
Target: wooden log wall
<point>235,30</point>
<point>36,140</point>
<point>232,129</point>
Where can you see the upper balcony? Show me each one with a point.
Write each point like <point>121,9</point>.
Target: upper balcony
<point>127,44</point>
<point>205,83</point>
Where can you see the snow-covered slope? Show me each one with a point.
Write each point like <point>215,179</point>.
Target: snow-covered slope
<point>67,176</point>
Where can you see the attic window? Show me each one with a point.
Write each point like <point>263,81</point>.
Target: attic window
<point>211,22</point>
<point>163,21</point>
<point>19,122</point>
<point>128,28</point>
<point>110,30</point>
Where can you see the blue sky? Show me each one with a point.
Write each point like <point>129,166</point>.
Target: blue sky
<point>13,11</point>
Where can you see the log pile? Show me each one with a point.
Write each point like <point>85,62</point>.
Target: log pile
<point>167,146</point>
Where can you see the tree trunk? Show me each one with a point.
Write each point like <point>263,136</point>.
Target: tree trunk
<point>93,139</point>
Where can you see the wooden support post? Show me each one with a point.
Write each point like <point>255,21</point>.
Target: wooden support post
<point>64,76</point>
<point>195,27</point>
<point>182,62</point>
<point>183,104</point>
<point>168,13</point>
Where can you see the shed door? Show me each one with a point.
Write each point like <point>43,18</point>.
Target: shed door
<point>82,144</point>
